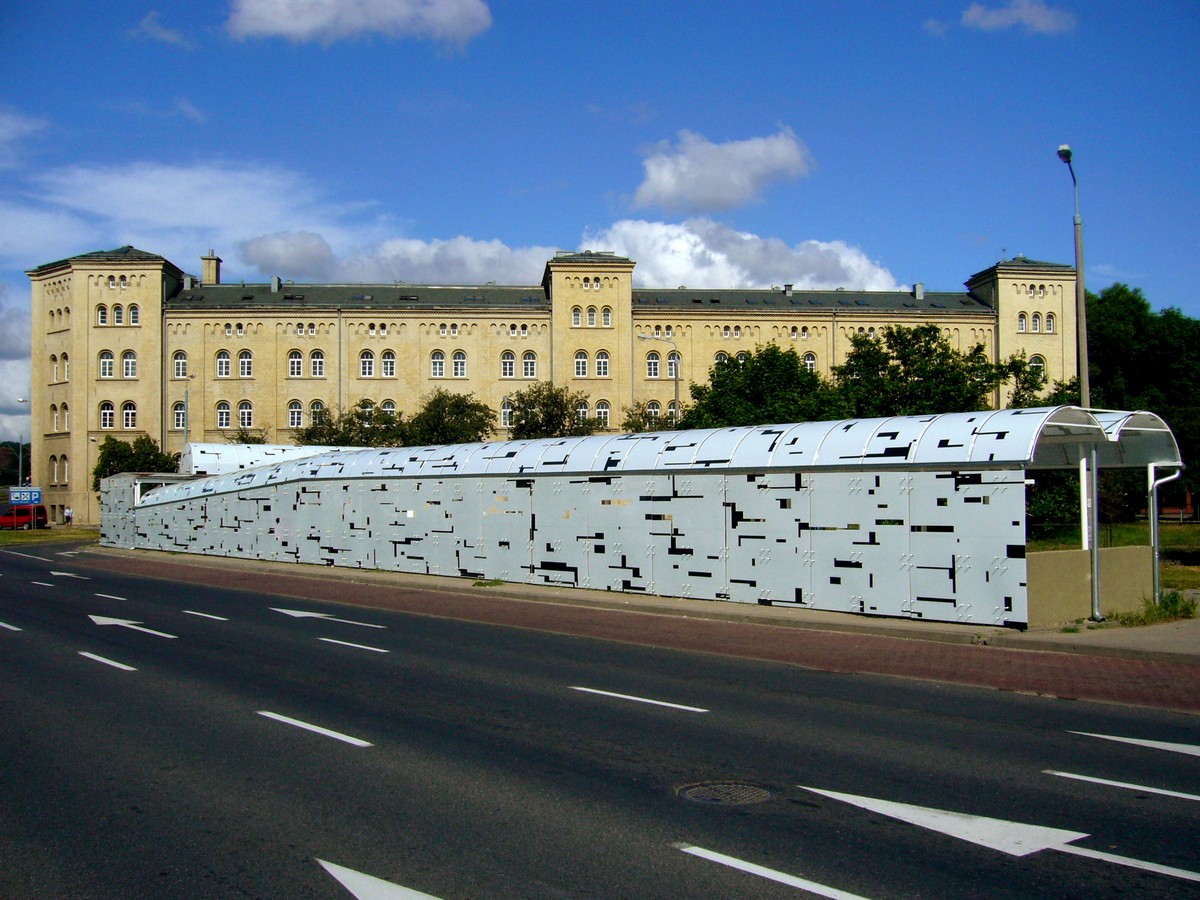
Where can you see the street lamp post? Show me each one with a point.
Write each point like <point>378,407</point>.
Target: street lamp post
<point>1090,485</point>
<point>21,452</point>
<point>678,363</point>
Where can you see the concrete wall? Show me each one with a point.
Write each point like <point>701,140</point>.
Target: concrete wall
<point>1060,583</point>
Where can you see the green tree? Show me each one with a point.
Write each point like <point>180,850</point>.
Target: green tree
<point>448,418</point>
<point>143,455</point>
<point>638,418</point>
<point>244,435</point>
<point>543,410</point>
<point>915,371</point>
<point>768,386</point>
<point>363,425</point>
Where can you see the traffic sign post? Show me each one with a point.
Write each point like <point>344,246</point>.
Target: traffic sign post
<point>24,496</point>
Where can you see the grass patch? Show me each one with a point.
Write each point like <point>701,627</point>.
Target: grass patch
<point>489,582</point>
<point>1174,606</point>
<point>48,535</point>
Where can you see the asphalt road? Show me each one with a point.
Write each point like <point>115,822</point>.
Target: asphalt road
<point>162,740</point>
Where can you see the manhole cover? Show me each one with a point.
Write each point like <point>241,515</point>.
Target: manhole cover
<point>725,793</point>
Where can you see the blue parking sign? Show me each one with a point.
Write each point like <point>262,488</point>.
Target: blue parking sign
<point>21,496</point>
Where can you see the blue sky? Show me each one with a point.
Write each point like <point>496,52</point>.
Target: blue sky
<point>863,144</point>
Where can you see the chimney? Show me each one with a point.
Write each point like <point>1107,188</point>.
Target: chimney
<point>787,290</point>
<point>276,282</point>
<point>918,291</point>
<point>211,273</point>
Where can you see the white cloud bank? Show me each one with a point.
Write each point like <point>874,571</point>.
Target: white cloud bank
<point>698,176</point>
<point>326,21</point>
<point>1033,16</point>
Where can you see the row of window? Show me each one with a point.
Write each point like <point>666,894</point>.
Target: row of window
<point>55,372</point>
<point>577,317</point>
<point>1024,322</point>
<point>60,470</point>
<point>118,314</point>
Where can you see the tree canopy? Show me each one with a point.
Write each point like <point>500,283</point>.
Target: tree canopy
<point>143,455</point>
<point>544,410</point>
<point>443,418</point>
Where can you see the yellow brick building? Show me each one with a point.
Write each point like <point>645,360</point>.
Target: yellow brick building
<point>126,344</point>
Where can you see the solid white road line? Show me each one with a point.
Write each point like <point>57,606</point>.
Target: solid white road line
<point>42,583</point>
<point>1131,863</point>
<point>638,699</point>
<point>27,555</point>
<point>1190,749</point>
<point>357,742</point>
<point>108,662</point>
<point>1123,784</point>
<point>355,646</point>
<point>368,887</point>
<point>110,597</point>
<point>9,627</point>
<point>206,615</point>
<point>782,877</point>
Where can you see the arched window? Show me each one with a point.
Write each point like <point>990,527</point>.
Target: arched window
<point>581,364</point>
<point>721,357</point>
<point>246,414</point>
<point>66,368</point>
<point>653,410</point>
<point>223,419</point>
<point>810,362</point>
<point>804,333</point>
<point>460,364</point>
<point>437,364</point>
<point>743,356</point>
<point>246,364</point>
<point>582,410</point>
<point>64,470</point>
<point>591,314</point>
<point>101,314</point>
<point>602,364</point>
<point>135,315</point>
<point>1037,323</point>
<point>54,367</point>
<point>112,281</point>
<point>295,364</point>
<point>106,415</point>
<point>66,418</point>
<point>387,364</point>
<point>1049,323</point>
<point>129,414</point>
<point>312,328</point>
<point>54,416</point>
<point>506,413</point>
<point>512,330</point>
<point>658,331</point>
<point>795,332</point>
<point>118,315</point>
<point>442,329</point>
<point>673,364</point>
<point>53,469</point>
<point>529,364</point>
<point>299,328</point>
<point>606,317</point>
<point>524,329</point>
<point>222,363</point>
<point>295,414</point>
<point>508,364</point>
<point>129,364</point>
<point>576,316</point>
<point>1022,322</point>
<point>737,331</point>
<point>1037,365</point>
<point>106,364</point>
<point>179,359</point>
<point>652,360</point>
<point>316,363</point>
<point>673,411</point>
<point>603,412</point>
<point>388,407</point>
<point>241,329</point>
<point>179,416</point>
<point>366,364</point>
<point>726,331</point>
<point>316,412</point>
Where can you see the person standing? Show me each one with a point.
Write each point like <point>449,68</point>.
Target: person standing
<point>68,515</point>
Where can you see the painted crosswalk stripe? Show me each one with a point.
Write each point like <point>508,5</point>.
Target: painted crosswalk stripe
<point>317,729</point>
<point>782,877</point>
<point>1124,784</point>
<point>588,690</point>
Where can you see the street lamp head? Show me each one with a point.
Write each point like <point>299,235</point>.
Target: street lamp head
<point>1064,153</point>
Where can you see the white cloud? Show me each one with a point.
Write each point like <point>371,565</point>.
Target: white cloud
<point>326,21</point>
<point>698,176</point>
<point>1034,16</point>
<point>299,254</point>
<point>703,253</point>
<point>14,128</point>
<point>152,29</point>
<point>459,260</point>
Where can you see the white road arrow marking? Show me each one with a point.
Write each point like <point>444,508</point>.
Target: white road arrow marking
<point>128,623</point>
<point>1014,838</point>
<point>328,617</point>
<point>1124,784</point>
<point>368,887</point>
<point>782,877</point>
<point>70,575</point>
<point>1190,749</point>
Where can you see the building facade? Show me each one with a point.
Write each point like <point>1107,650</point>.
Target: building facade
<point>126,344</point>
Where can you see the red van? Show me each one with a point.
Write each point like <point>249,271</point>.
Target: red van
<point>24,517</point>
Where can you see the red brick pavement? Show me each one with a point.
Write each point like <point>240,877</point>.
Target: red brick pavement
<point>1167,685</point>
